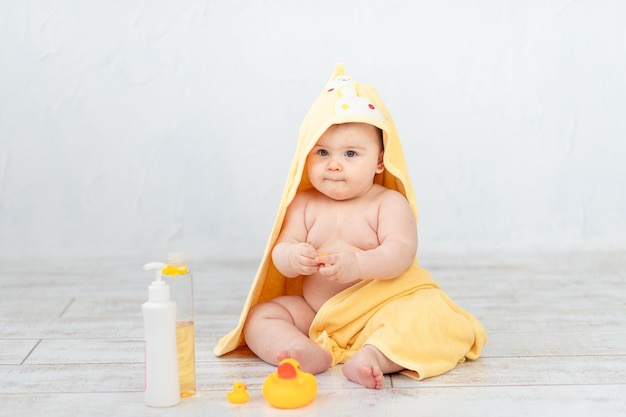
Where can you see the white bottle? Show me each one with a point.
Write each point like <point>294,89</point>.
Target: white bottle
<point>159,318</point>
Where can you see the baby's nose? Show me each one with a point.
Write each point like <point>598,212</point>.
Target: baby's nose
<point>334,166</point>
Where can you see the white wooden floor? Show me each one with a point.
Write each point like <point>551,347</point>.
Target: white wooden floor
<point>71,342</point>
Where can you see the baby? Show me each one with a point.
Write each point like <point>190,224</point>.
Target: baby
<point>344,230</point>
<point>339,281</point>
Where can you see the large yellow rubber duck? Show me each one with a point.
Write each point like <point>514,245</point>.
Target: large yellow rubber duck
<point>289,386</point>
<point>239,394</point>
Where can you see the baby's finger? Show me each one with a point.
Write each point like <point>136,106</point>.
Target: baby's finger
<point>308,262</point>
<point>327,260</point>
<point>308,252</point>
<point>308,270</point>
<point>328,271</point>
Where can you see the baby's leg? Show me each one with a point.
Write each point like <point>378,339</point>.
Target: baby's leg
<point>278,329</point>
<point>368,367</point>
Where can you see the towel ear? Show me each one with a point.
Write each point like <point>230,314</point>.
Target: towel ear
<point>339,70</point>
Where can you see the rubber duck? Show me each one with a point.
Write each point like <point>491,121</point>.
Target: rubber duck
<point>239,394</point>
<point>289,386</point>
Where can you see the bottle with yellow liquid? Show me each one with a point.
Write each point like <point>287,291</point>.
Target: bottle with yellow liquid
<point>180,280</point>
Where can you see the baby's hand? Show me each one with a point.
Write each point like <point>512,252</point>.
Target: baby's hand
<point>302,258</point>
<point>319,259</point>
<point>340,267</point>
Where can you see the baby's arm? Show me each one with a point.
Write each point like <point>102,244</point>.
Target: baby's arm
<point>397,234</point>
<point>291,254</point>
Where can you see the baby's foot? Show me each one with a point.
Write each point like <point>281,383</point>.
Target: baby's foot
<point>368,367</point>
<point>370,376</point>
<point>314,361</point>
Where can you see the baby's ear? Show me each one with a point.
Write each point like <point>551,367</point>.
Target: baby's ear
<point>381,161</point>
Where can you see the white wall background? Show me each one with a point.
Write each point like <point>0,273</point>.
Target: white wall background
<point>129,128</point>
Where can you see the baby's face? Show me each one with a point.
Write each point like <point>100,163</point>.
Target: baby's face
<point>343,162</point>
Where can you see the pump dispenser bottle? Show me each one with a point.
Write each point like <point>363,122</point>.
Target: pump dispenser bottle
<point>180,280</point>
<point>161,367</point>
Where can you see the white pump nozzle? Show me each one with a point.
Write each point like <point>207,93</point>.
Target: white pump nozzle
<point>155,266</point>
<point>158,290</point>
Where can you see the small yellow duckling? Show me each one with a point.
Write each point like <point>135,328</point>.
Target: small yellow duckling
<point>289,386</point>
<point>239,395</point>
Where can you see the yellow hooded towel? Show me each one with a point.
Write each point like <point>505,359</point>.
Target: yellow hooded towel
<point>408,318</point>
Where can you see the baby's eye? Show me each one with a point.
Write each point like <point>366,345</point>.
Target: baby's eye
<point>322,152</point>
<point>350,154</point>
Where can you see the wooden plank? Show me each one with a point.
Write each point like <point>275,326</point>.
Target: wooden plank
<point>99,351</point>
<point>72,327</point>
<point>526,371</point>
<point>537,343</point>
<point>114,377</point>
<point>36,307</point>
<point>552,321</point>
<point>571,401</point>
<point>214,375</point>
<point>13,352</point>
<point>87,351</point>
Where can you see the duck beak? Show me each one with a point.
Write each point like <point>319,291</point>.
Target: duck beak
<point>286,371</point>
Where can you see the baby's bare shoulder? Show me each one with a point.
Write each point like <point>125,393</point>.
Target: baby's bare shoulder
<point>302,200</point>
<point>304,197</point>
<point>389,196</point>
<point>394,205</point>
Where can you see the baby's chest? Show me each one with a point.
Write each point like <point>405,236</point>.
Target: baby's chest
<point>336,226</point>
